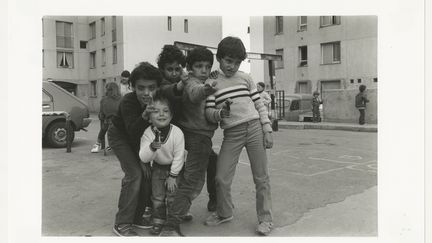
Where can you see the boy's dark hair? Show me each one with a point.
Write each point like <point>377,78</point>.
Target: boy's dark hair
<point>262,84</point>
<point>232,47</point>
<point>315,93</point>
<point>171,54</point>
<point>199,54</point>
<point>125,74</point>
<point>362,88</point>
<point>159,96</point>
<point>145,70</point>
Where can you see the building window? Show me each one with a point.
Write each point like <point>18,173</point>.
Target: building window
<point>65,59</point>
<point>92,30</point>
<point>302,23</point>
<point>329,20</point>
<point>303,59</point>
<point>169,23</point>
<point>83,44</point>
<point>248,30</point>
<point>303,87</point>
<point>186,26</point>
<point>359,80</point>
<point>93,88</point>
<point>330,53</point>
<point>102,26</point>
<point>114,54</point>
<point>103,85</point>
<point>375,80</point>
<point>103,57</point>
<point>64,37</point>
<point>114,28</point>
<point>352,81</point>
<point>279,25</point>
<point>279,64</point>
<point>92,59</point>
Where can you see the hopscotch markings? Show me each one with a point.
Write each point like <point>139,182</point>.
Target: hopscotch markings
<point>332,160</point>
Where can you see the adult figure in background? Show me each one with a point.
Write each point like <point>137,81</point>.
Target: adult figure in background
<point>360,102</point>
<point>124,136</point>
<point>124,83</point>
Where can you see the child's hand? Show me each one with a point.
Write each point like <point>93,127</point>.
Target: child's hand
<point>155,145</point>
<point>226,109</point>
<point>268,140</point>
<point>146,113</point>
<point>214,74</point>
<point>210,89</point>
<point>183,78</point>
<point>171,184</point>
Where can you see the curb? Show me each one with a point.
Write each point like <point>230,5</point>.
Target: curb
<point>328,127</point>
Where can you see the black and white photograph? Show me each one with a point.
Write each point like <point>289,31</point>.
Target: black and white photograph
<point>169,122</point>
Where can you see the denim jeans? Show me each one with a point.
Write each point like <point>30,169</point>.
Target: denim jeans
<point>135,192</point>
<point>249,135</point>
<point>104,124</point>
<point>192,178</point>
<point>161,197</point>
<point>211,174</point>
<point>362,116</point>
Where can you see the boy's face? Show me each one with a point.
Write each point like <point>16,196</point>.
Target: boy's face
<point>172,72</point>
<point>229,65</point>
<point>201,70</point>
<point>260,88</point>
<point>162,115</point>
<point>145,89</point>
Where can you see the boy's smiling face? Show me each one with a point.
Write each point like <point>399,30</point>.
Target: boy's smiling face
<point>229,65</point>
<point>172,72</point>
<point>161,117</point>
<point>145,89</point>
<point>201,70</point>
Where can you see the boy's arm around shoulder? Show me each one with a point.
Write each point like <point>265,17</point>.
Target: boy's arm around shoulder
<point>146,154</point>
<point>179,151</point>
<point>170,89</point>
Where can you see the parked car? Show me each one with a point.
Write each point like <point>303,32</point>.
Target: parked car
<point>56,99</point>
<point>298,107</point>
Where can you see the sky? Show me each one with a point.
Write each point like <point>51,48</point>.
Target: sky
<point>237,26</point>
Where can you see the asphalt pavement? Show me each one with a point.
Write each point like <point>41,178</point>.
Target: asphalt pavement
<point>324,183</point>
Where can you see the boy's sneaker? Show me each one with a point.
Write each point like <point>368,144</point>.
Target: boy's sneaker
<point>108,148</point>
<point>144,223</point>
<point>96,148</point>
<point>156,229</point>
<point>215,219</point>
<point>125,230</point>
<point>187,217</point>
<point>171,231</point>
<point>264,228</point>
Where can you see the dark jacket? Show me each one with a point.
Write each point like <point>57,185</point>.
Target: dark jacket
<point>108,107</point>
<point>129,119</point>
<point>361,100</point>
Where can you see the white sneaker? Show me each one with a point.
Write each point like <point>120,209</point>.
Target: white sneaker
<point>96,148</point>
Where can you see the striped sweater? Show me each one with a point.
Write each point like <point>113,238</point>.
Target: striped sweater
<point>247,104</point>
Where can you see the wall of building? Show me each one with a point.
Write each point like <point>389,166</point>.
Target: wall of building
<point>339,106</point>
<point>257,45</point>
<point>358,37</point>
<point>144,37</point>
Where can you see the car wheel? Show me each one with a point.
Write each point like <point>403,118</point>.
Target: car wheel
<point>56,135</point>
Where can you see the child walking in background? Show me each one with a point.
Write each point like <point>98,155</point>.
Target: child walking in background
<point>316,102</point>
<point>247,126</point>
<point>108,108</point>
<point>360,103</point>
<point>162,143</point>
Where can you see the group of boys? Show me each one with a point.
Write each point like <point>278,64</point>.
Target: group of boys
<point>186,111</point>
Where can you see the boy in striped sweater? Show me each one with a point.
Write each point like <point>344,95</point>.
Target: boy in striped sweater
<point>247,126</point>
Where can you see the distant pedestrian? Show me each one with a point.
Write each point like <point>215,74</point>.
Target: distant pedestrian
<point>265,97</point>
<point>124,136</point>
<point>124,83</point>
<point>164,144</point>
<point>108,108</point>
<point>360,102</point>
<point>316,102</point>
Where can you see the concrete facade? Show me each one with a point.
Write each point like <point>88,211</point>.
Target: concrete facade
<point>339,106</point>
<point>136,39</point>
<point>354,39</point>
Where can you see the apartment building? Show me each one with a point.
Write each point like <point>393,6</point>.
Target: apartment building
<point>83,53</point>
<point>319,52</point>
